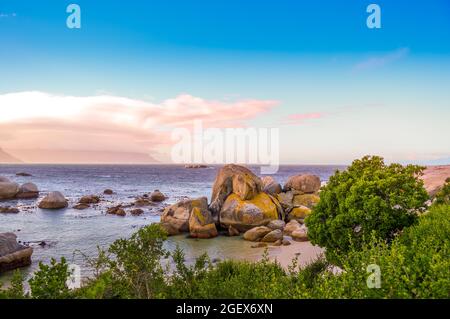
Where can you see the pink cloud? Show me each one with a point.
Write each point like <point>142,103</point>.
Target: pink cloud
<point>300,118</point>
<point>112,123</point>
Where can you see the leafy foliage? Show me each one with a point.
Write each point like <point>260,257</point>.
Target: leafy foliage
<point>413,264</point>
<point>368,199</point>
<point>50,281</point>
<point>443,196</point>
<point>15,291</point>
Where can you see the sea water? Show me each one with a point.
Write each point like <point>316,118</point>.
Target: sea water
<point>74,234</point>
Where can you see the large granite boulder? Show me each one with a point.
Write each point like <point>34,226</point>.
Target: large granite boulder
<point>256,233</point>
<point>276,224</point>
<point>270,185</point>
<point>290,227</point>
<point>201,224</point>
<point>246,214</point>
<point>300,234</point>
<point>273,236</point>
<point>12,254</point>
<point>177,215</point>
<point>308,200</point>
<point>299,214</point>
<point>27,191</point>
<point>8,190</point>
<point>306,183</point>
<point>54,200</point>
<point>234,179</point>
<point>296,205</point>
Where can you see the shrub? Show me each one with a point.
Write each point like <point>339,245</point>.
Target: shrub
<point>15,291</point>
<point>50,281</point>
<point>131,268</point>
<point>368,199</point>
<point>443,196</point>
<point>414,265</point>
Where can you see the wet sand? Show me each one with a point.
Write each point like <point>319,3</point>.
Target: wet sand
<point>304,251</point>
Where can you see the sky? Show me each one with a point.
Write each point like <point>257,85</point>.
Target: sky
<point>136,70</point>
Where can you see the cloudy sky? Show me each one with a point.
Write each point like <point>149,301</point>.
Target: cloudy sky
<point>135,71</point>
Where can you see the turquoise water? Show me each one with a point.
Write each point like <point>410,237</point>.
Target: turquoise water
<point>67,231</point>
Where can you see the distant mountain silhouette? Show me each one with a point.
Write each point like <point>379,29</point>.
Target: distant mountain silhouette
<point>82,157</point>
<point>7,158</point>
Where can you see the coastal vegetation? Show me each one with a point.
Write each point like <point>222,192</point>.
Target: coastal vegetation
<point>370,216</point>
<point>369,199</point>
<point>414,264</point>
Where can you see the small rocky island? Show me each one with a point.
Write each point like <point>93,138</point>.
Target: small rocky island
<point>242,203</point>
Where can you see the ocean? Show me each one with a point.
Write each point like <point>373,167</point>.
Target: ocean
<point>73,233</point>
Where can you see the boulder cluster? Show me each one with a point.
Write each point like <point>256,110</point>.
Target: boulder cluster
<point>12,190</point>
<point>242,203</point>
<point>12,254</point>
<point>151,199</point>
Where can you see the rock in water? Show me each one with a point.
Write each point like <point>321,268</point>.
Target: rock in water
<point>12,254</point>
<point>8,190</point>
<point>23,174</point>
<point>136,212</point>
<point>201,224</point>
<point>256,233</point>
<point>233,179</point>
<point>27,191</point>
<point>117,210</point>
<point>8,210</point>
<point>271,186</point>
<point>4,179</point>
<point>89,199</point>
<point>177,215</point>
<point>54,200</point>
<point>81,206</point>
<point>141,202</point>
<point>273,236</point>
<point>157,196</point>
<point>108,191</point>
<point>246,214</point>
<point>304,183</point>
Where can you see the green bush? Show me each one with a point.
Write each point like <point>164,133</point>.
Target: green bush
<point>50,281</point>
<point>16,290</point>
<point>131,268</point>
<point>368,199</point>
<point>443,196</point>
<point>415,265</point>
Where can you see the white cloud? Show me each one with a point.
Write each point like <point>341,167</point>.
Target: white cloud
<point>375,62</point>
<point>105,122</point>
